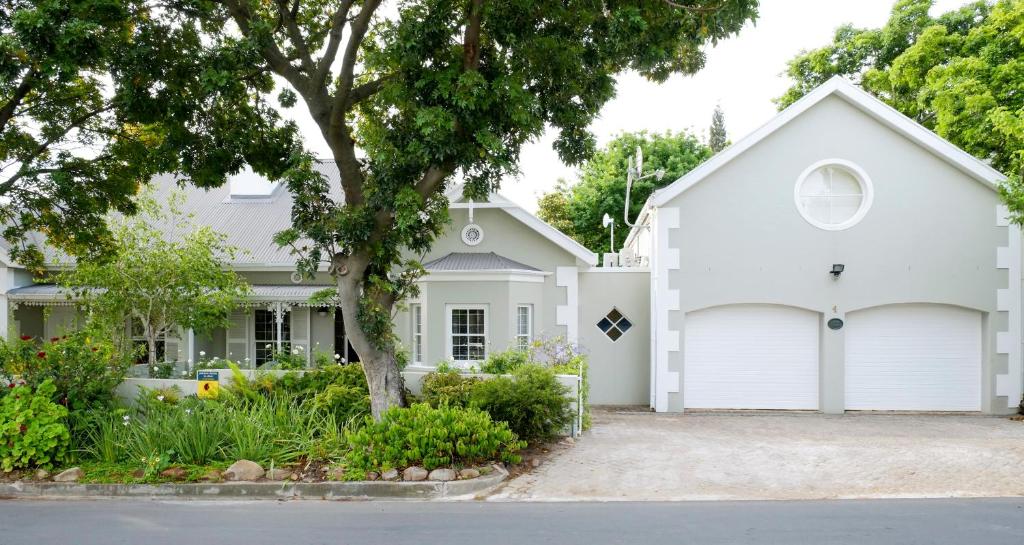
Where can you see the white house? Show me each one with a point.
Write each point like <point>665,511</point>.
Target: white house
<point>841,257</point>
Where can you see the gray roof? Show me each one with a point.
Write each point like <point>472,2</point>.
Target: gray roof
<point>53,294</point>
<point>476,261</point>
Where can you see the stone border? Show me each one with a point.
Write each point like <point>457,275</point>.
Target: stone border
<point>331,490</point>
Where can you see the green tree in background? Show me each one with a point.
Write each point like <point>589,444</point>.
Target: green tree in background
<point>96,96</point>
<point>577,210</point>
<point>960,74</point>
<point>717,137</point>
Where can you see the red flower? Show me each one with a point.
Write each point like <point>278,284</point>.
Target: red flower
<point>40,354</point>
<point>54,339</point>
<point>26,337</point>
<point>94,349</point>
<point>11,385</point>
<point>23,429</point>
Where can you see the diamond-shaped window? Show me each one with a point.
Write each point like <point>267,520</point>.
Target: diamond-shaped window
<point>614,324</point>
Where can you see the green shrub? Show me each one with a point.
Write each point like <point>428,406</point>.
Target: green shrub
<point>429,437</point>
<point>531,401</point>
<point>503,363</point>
<point>102,435</point>
<point>33,431</point>
<point>84,371</point>
<point>344,402</point>
<point>447,388</point>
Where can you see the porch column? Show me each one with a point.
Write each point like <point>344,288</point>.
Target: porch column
<point>279,320</point>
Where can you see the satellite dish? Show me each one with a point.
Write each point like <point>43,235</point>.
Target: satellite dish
<point>639,161</point>
<point>606,221</point>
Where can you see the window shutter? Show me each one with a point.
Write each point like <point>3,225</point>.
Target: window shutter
<point>238,337</point>
<point>300,330</point>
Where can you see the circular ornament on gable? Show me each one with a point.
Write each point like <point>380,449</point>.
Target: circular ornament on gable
<point>472,234</point>
<point>296,278</point>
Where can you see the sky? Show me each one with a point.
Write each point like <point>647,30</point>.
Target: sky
<point>742,74</point>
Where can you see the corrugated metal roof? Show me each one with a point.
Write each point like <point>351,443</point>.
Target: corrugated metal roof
<point>476,261</point>
<point>51,293</point>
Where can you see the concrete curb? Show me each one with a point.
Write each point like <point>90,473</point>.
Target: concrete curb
<point>340,490</point>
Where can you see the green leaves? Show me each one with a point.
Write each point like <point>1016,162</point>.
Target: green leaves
<point>33,431</point>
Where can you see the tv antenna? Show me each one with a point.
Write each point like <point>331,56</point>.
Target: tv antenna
<point>634,173</point>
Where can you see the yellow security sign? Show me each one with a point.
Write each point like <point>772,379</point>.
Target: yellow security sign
<point>208,384</point>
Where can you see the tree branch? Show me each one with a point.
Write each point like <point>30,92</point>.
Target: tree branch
<point>7,111</point>
<point>239,10</point>
<point>471,39</point>
<point>323,67</point>
<point>295,35</point>
<point>695,9</point>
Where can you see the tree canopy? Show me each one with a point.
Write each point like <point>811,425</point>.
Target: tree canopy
<point>960,73</point>
<point>577,210</point>
<point>717,137</point>
<point>96,96</point>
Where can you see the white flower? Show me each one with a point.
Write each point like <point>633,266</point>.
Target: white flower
<point>247,359</point>
<point>126,418</point>
<point>343,360</point>
<point>295,351</point>
<point>202,353</point>
<point>215,358</point>
<point>269,346</point>
<point>184,373</point>
<point>159,398</point>
<point>155,368</point>
<point>188,411</point>
<point>301,347</point>
<point>189,361</point>
<point>337,356</point>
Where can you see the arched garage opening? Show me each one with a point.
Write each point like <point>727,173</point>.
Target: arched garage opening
<point>913,357</point>
<point>751,357</point>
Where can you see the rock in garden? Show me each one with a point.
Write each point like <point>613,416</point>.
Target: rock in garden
<point>69,475</point>
<point>469,473</point>
<point>390,475</point>
<point>244,470</point>
<point>442,474</point>
<point>372,476</point>
<point>535,462</point>
<point>42,474</point>
<point>414,473</point>
<point>174,473</point>
<point>278,474</point>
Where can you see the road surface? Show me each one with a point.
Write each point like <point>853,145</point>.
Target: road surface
<point>874,522</point>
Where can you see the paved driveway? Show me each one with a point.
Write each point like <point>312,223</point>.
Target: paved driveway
<point>645,456</point>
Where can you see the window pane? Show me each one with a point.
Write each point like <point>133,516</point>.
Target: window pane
<point>476,322</point>
<point>815,184</point>
<point>614,315</point>
<point>844,208</point>
<point>614,333</point>
<point>476,348</point>
<point>843,183</point>
<point>817,209</point>
<point>604,324</point>
<point>624,325</point>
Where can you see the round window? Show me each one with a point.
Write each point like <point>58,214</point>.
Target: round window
<point>472,234</point>
<point>833,194</point>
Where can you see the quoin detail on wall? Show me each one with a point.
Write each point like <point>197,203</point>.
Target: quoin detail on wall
<point>833,194</point>
<point>472,234</point>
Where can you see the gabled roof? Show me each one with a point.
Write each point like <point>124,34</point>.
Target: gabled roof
<point>497,200</point>
<point>476,261</point>
<point>865,102</point>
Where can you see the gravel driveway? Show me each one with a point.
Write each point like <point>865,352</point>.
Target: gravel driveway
<point>646,456</point>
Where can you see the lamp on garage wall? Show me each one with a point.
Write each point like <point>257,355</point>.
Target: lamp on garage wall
<point>837,269</point>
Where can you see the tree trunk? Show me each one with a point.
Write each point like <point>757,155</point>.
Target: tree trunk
<point>151,343</point>
<point>387,387</point>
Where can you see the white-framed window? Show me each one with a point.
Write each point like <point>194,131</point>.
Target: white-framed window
<point>833,194</point>
<point>265,329</point>
<point>524,326</point>
<point>416,318</point>
<point>139,339</point>
<point>467,333</point>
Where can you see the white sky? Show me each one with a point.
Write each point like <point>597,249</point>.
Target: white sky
<point>743,74</point>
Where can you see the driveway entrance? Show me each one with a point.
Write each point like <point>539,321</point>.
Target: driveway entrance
<point>709,456</point>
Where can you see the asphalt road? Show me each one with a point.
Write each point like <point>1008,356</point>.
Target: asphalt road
<point>874,522</point>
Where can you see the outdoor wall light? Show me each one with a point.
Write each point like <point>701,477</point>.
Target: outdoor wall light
<point>837,269</point>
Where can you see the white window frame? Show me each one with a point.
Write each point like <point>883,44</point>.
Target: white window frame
<point>416,332</point>
<point>140,339</point>
<point>867,193</point>
<point>282,336</point>
<point>523,339</point>
<point>449,336</point>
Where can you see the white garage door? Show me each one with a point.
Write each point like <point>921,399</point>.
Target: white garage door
<point>751,357</point>
<point>913,358</point>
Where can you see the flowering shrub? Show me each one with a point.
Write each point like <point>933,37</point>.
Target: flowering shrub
<point>429,437</point>
<point>33,431</point>
<point>84,370</point>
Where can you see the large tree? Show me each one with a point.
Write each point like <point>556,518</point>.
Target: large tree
<point>577,210</point>
<point>960,74</point>
<point>96,96</point>
<point>408,97</point>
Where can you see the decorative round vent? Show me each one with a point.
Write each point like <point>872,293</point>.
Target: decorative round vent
<point>296,278</point>
<point>472,234</point>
